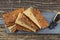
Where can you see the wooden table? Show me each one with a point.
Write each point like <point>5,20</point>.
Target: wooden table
<point>5,36</point>
<point>9,5</point>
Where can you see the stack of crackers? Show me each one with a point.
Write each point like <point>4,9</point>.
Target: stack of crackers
<point>30,20</point>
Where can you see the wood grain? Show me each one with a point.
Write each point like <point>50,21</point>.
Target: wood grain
<point>9,5</point>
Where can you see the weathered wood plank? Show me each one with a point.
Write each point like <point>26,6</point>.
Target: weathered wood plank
<point>8,5</point>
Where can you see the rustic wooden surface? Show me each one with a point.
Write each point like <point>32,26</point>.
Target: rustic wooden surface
<point>9,5</point>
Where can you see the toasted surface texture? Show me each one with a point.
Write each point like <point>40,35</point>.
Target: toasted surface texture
<point>29,14</point>
<point>10,17</point>
<point>12,28</point>
<point>42,21</point>
<point>36,17</point>
<point>17,27</point>
<point>29,22</point>
<point>21,20</point>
